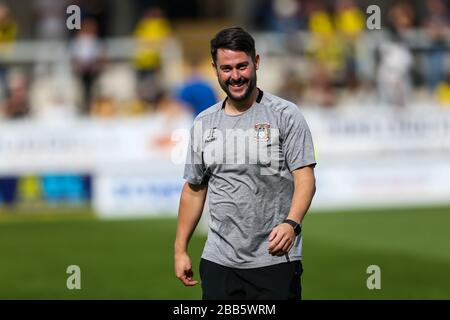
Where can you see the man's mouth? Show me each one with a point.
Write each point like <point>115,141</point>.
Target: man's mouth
<point>237,84</point>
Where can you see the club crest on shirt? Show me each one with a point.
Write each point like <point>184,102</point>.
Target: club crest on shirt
<point>211,135</point>
<point>262,131</point>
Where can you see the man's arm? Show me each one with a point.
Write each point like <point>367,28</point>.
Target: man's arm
<point>191,207</point>
<point>282,236</point>
<point>305,188</point>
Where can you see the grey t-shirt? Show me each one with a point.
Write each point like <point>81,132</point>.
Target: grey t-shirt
<point>247,161</point>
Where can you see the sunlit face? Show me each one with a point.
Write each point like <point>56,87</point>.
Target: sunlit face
<point>236,73</point>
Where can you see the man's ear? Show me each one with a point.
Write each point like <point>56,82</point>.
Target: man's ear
<point>257,61</point>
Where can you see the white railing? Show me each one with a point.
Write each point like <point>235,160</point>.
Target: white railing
<point>116,49</point>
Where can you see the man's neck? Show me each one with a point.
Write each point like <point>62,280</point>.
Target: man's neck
<point>233,107</point>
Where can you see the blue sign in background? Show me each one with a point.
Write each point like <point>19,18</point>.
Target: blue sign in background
<point>47,188</point>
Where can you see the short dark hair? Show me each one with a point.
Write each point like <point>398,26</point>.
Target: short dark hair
<point>234,38</point>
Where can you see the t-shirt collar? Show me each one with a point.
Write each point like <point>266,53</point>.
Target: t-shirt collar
<point>258,98</point>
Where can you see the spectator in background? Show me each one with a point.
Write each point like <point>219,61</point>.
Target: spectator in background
<point>52,95</point>
<point>104,107</point>
<point>393,76</point>
<point>50,17</point>
<point>324,46</point>
<point>87,55</point>
<point>8,34</point>
<point>350,23</point>
<point>116,93</point>
<point>169,106</point>
<point>150,34</point>
<point>96,10</point>
<point>401,17</point>
<point>321,90</point>
<point>196,92</point>
<point>17,102</point>
<point>285,16</point>
<point>326,57</point>
<point>396,60</point>
<point>292,87</point>
<point>442,92</point>
<point>436,29</point>
<point>8,25</point>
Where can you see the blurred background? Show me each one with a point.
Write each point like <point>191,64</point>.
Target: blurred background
<point>93,126</point>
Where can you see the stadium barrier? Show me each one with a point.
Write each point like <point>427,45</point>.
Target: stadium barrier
<point>366,157</point>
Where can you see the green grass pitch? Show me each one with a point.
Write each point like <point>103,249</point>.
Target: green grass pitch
<point>133,259</point>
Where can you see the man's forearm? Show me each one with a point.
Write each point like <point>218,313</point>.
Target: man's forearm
<point>190,211</point>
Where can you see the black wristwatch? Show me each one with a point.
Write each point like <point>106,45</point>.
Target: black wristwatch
<point>295,225</point>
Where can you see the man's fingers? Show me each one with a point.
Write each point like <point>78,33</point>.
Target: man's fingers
<point>276,244</point>
<point>272,235</point>
<point>283,247</point>
<point>184,272</point>
<point>187,281</point>
<point>280,245</point>
<point>275,241</point>
<point>189,273</point>
<point>185,276</point>
<point>287,245</point>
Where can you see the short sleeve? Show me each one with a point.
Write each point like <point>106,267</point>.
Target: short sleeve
<point>194,168</point>
<point>297,141</point>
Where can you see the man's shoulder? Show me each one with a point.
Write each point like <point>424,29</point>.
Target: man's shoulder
<point>282,106</point>
<point>209,111</point>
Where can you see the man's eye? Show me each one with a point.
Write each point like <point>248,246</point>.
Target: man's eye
<point>243,68</point>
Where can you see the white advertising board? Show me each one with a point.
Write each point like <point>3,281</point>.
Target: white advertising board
<point>375,157</point>
<point>366,157</point>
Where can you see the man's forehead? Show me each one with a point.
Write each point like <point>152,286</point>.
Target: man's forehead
<point>225,56</point>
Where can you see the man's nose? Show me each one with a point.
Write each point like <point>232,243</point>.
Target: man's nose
<point>235,75</point>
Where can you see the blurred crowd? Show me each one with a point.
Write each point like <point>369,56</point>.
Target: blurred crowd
<point>400,62</point>
<point>338,60</point>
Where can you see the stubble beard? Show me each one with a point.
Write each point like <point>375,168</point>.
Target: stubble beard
<point>251,84</point>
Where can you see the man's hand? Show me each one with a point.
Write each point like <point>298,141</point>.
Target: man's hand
<point>191,206</point>
<point>183,269</point>
<point>281,239</point>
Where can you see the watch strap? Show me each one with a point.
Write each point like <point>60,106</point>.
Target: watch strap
<point>295,225</point>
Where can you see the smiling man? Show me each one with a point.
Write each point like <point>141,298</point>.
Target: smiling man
<point>253,155</point>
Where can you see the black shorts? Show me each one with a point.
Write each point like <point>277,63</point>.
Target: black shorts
<point>277,282</point>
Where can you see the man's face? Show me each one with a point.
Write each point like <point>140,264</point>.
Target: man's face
<point>236,73</point>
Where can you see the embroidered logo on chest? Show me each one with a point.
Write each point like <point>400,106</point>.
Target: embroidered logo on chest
<point>262,131</point>
<point>211,135</point>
